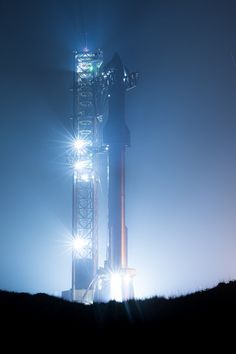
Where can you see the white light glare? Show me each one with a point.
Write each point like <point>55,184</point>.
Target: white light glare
<point>127,278</point>
<point>116,287</point>
<point>79,244</point>
<point>80,165</point>
<point>79,144</point>
<point>86,177</point>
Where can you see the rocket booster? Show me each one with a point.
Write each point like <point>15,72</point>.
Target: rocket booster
<point>116,134</point>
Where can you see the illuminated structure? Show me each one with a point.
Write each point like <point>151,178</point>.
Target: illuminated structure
<point>93,87</point>
<point>115,280</point>
<point>86,119</point>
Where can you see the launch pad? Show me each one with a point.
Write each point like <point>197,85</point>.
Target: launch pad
<point>95,87</point>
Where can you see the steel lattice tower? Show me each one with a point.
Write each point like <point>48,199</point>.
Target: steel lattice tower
<point>85,130</point>
<point>93,90</point>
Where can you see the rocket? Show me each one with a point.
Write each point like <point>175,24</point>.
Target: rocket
<point>117,136</point>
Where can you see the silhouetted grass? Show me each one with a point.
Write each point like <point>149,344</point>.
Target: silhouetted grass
<point>210,314</point>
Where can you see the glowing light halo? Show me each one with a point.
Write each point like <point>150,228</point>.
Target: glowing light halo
<point>79,165</point>
<point>78,243</point>
<point>80,246</point>
<point>116,287</point>
<point>79,145</point>
<point>85,177</point>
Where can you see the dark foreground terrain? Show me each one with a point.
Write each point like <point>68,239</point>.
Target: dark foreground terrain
<point>209,314</point>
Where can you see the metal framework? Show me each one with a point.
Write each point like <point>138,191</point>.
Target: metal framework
<point>86,119</point>
<point>92,87</point>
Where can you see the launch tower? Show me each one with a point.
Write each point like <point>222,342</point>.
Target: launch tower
<point>94,87</point>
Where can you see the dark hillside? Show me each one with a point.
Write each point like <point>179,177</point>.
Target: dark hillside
<point>207,314</point>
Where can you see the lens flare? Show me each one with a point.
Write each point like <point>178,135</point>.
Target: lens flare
<point>116,287</point>
<point>79,145</point>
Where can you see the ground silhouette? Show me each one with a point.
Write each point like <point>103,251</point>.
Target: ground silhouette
<point>206,315</point>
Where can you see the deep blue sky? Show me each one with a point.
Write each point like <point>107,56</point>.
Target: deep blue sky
<point>181,168</point>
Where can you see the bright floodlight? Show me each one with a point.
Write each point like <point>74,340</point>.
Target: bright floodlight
<point>79,165</point>
<point>85,177</point>
<point>116,287</point>
<point>79,244</point>
<point>79,144</point>
<point>127,278</point>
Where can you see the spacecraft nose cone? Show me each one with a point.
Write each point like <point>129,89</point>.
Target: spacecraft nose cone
<point>116,57</point>
<point>117,62</point>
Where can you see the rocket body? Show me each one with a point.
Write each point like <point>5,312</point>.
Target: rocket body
<point>117,136</point>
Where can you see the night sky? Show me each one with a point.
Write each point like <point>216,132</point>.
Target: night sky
<point>181,167</point>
